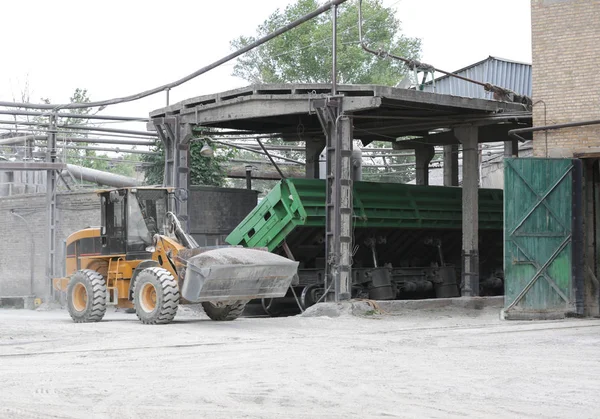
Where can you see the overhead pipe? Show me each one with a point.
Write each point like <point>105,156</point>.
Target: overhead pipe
<point>81,128</point>
<point>73,115</point>
<point>114,150</point>
<point>100,177</point>
<point>515,132</point>
<point>21,139</point>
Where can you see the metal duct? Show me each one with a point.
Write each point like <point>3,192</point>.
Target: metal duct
<point>100,177</point>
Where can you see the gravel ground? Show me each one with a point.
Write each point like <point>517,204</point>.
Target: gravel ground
<point>434,364</point>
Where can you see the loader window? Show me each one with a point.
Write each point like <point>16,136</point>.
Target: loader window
<point>114,230</point>
<point>147,212</point>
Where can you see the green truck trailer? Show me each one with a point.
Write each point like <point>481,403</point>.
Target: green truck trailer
<point>407,239</point>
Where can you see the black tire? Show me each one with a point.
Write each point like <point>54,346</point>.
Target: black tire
<point>86,296</point>
<point>224,312</point>
<point>155,296</point>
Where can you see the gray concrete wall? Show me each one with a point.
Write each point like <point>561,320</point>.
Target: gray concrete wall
<point>216,212</point>
<point>75,211</point>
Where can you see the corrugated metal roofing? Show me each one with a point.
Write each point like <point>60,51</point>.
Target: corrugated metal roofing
<point>509,74</point>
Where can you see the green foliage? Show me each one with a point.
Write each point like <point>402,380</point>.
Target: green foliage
<point>303,55</point>
<point>155,168</point>
<point>203,170</point>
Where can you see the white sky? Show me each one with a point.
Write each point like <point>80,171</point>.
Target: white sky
<point>116,48</point>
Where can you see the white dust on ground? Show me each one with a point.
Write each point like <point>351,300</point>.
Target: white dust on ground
<point>433,363</point>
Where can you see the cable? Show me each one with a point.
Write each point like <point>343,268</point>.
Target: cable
<point>412,64</point>
<point>103,103</point>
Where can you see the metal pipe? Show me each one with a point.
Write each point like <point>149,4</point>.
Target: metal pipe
<point>334,50</point>
<point>21,139</point>
<point>399,165</point>
<point>16,140</point>
<point>107,141</point>
<point>82,128</point>
<point>100,177</point>
<point>72,115</point>
<point>114,150</point>
<point>32,265</point>
<point>515,132</point>
<point>271,158</point>
<point>256,151</point>
<point>100,134</point>
<point>250,161</point>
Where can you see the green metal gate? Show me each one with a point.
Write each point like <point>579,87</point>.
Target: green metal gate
<point>543,252</point>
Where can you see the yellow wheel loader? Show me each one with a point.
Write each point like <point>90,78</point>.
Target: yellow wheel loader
<point>142,259</point>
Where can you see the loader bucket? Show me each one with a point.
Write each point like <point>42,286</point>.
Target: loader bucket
<point>229,274</point>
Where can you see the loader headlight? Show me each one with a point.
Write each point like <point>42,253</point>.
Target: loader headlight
<point>151,249</point>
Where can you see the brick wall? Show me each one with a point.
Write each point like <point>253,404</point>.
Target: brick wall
<point>566,76</point>
<point>74,211</point>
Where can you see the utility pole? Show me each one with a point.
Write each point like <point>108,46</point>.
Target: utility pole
<point>51,201</point>
<point>337,127</point>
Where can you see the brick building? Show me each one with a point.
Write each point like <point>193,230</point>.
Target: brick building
<point>566,80</point>
<point>565,90</point>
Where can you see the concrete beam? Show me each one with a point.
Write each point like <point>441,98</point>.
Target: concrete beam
<point>468,136</point>
<point>487,134</point>
<point>250,107</point>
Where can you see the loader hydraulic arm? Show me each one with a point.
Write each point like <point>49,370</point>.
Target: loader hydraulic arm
<point>176,230</point>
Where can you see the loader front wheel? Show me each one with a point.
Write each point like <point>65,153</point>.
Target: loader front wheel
<point>224,312</point>
<point>155,296</point>
<point>86,296</point>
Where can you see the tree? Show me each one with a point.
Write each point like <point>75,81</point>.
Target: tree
<point>203,170</point>
<point>303,55</point>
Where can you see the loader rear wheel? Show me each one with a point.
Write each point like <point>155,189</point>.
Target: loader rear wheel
<point>86,296</point>
<point>156,296</point>
<point>223,312</point>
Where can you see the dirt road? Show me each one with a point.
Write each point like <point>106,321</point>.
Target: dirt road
<point>428,364</point>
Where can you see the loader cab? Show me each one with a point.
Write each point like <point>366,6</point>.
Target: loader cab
<point>130,219</point>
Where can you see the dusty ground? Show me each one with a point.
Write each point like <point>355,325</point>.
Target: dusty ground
<point>429,364</point>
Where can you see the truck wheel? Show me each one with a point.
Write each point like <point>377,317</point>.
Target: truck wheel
<point>86,296</point>
<point>224,312</point>
<point>155,296</point>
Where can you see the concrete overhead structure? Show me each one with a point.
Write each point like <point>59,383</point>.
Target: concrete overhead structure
<point>308,112</point>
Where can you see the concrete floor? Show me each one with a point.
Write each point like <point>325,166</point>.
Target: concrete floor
<point>431,363</point>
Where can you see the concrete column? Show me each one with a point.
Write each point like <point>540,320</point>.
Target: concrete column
<point>511,148</point>
<point>313,146</point>
<point>423,156</point>
<point>451,165</point>
<point>468,137</point>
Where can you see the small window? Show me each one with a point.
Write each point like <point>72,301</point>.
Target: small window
<point>71,250</point>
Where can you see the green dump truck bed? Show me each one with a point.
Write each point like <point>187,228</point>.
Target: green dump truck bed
<point>299,205</point>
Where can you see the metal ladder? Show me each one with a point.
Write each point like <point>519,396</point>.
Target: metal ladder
<point>112,276</point>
